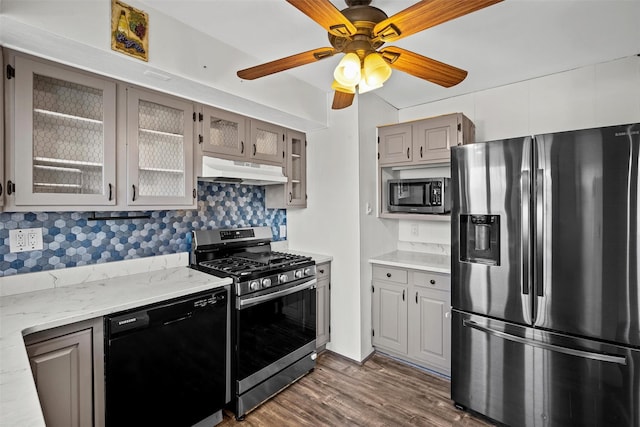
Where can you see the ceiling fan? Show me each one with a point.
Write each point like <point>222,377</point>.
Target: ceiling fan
<point>359,31</point>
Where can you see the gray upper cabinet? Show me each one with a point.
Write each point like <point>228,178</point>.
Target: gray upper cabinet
<point>2,112</point>
<point>423,142</point>
<point>224,134</point>
<point>394,144</point>
<point>411,316</point>
<point>62,136</point>
<point>159,149</point>
<point>267,143</point>
<point>293,194</point>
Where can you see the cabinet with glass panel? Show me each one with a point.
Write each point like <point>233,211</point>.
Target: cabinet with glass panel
<point>159,149</point>
<point>236,137</point>
<point>63,133</point>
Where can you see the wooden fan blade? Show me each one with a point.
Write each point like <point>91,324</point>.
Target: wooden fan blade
<point>286,63</point>
<point>426,14</point>
<point>327,15</point>
<point>342,100</point>
<point>422,67</point>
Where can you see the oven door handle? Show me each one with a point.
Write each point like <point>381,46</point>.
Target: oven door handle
<point>244,303</point>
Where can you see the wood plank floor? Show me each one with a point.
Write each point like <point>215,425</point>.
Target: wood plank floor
<point>381,392</point>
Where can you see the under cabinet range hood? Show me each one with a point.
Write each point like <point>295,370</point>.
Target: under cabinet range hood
<point>222,170</point>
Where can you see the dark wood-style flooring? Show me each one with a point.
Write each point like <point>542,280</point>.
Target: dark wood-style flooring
<point>340,392</point>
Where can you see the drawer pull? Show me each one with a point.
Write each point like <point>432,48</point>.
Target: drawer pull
<point>321,271</point>
<point>432,281</point>
<point>388,274</point>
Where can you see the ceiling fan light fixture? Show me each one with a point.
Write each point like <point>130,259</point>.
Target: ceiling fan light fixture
<point>342,88</point>
<point>376,70</point>
<point>348,73</point>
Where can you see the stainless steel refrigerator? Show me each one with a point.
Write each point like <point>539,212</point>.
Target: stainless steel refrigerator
<point>545,295</point>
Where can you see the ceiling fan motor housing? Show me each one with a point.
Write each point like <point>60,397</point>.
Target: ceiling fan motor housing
<point>364,18</point>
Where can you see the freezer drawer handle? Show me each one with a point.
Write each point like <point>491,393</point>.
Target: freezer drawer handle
<point>546,346</point>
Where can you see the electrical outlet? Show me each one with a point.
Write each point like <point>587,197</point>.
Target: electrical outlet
<point>25,239</point>
<point>283,231</point>
<point>415,230</point>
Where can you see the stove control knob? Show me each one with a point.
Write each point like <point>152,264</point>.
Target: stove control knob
<point>282,278</point>
<point>307,271</point>
<point>298,274</point>
<point>266,282</point>
<point>254,285</point>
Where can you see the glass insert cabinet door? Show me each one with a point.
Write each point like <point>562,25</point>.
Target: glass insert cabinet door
<point>159,149</point>
<point>65,136</point>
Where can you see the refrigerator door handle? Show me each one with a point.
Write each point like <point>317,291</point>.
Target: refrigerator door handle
<point>621,360</point>
<point>539,243</point>
<point>525,189</point>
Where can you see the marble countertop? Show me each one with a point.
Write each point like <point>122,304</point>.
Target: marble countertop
<point>29,312</point>
<point>437,263</point>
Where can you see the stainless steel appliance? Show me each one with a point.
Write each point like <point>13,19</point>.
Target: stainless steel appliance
<point>418,195</point>
<point>274,320</point>
<point>546,303</point>
<point>168,363</point>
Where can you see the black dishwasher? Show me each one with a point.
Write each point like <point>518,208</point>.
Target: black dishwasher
<point>168,363</point>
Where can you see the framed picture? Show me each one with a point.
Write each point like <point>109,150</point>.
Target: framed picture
<point>129,30</point>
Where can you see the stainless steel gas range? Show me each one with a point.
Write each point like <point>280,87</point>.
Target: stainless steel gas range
<point>274,321</point>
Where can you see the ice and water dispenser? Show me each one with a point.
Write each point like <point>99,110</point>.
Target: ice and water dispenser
<point>480,239</point>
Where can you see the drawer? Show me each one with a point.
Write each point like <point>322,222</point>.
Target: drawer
<point>389,274</point>
<point>323,271</point>
<point>432,280</point>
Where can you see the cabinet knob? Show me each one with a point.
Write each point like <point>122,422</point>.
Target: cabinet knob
<point>446,315</point>
<point>388,274</point>
<point>321,271</point>
<point>432,281</point>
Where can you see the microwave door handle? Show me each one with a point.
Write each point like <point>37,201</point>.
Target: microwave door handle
<point>427,194</point>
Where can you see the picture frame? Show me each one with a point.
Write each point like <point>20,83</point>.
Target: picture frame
<point>129,30</point>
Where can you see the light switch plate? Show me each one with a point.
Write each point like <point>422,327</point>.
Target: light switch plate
<point>25,239</point>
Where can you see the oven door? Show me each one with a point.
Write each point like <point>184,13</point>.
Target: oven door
<point>273,331</point>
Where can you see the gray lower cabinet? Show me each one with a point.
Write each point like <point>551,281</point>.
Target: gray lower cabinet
<point>323,305</point>
<point>64,362</point>
<point>411,316</point>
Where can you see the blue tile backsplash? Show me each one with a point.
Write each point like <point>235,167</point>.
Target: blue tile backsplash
<point>71,239</point>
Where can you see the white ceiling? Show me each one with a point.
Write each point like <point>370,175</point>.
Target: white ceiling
<point>505,43</point>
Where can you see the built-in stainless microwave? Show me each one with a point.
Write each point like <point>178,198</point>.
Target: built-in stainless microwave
<point>419,195</point>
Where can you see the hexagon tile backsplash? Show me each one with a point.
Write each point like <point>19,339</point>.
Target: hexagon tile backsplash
<point>71,239</point>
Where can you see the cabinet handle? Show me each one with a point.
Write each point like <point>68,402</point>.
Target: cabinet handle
<point>388,274</point>
<point>10,188</point>
<point>241,147</point>
<point>110,191</point>
<point>194,193</point>
<point>446,315</point>
<point>0,189</point>
<point>283,154</point>
<point>290,196</point>
<point>407,152</point>
<point>432,281</point>
<point>403,295</point>
<point>134,193</point>
<point>421,151</point>
<point>321,271</point>
<point>416,297</point>
<point>254,149</point>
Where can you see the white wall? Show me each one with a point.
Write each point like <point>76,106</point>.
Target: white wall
<point>593,96</point>
<point>377,236</point>
<point>330,223</point>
